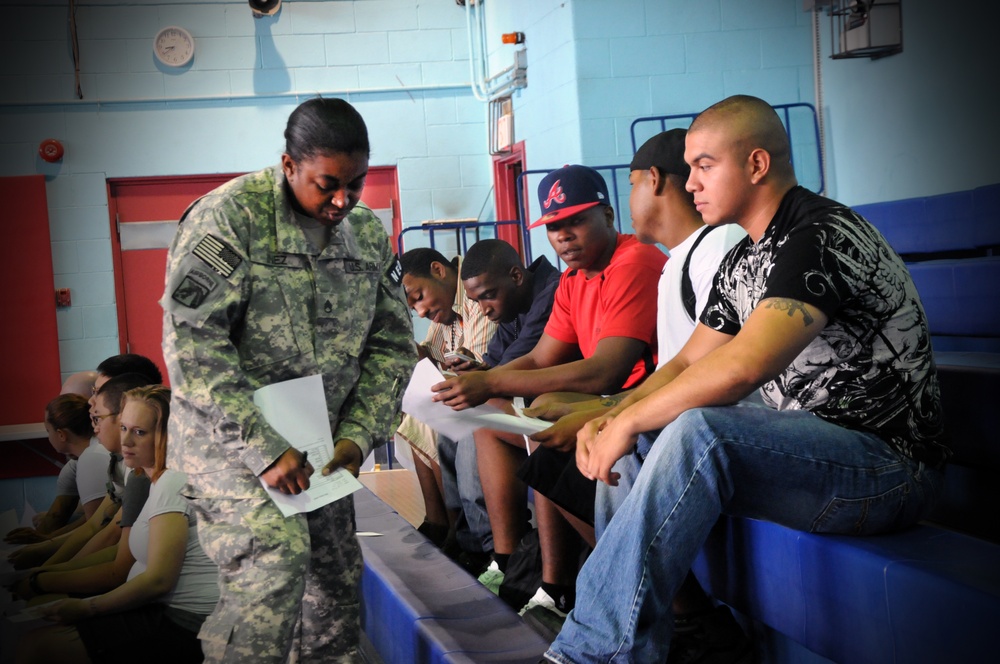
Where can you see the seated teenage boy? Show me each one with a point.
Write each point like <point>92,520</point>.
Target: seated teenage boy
<point>519,300</point>
<point>434,291</point>
<point>600,338</point>
<point>816,310</point>
<point>663,212</point>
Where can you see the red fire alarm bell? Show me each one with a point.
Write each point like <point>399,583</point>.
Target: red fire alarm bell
<point>51,150</point>
<point>63,298</point>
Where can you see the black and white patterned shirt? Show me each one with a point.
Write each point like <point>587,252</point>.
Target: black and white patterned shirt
<point>871,368</point>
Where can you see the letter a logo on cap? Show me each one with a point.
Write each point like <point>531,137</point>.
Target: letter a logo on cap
<point>555,195</point>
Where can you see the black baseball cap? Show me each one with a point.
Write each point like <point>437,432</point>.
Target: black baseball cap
<point>665,151</point>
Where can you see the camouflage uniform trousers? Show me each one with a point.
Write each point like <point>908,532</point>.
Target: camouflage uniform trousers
<point>288,587</point>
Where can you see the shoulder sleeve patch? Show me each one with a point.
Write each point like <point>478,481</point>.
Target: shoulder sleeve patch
<point>194,288</point>
<point>395,272</point>
<point>217,255</point>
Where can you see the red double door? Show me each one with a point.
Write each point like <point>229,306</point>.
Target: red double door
<point>29,337</point>
<point>144,214</point>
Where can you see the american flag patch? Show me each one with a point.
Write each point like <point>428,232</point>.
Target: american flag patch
<point>218,255</point>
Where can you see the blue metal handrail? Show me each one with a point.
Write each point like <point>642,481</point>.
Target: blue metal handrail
<point>610,173</point>
<point>524,208</point>
<point>460,228</point>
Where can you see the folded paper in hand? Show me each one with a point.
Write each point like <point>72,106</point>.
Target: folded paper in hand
<point>296,409</point>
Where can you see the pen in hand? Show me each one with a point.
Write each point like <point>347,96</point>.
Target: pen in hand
<point>305,459</point>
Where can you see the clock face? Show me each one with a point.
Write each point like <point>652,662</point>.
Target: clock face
<point>173,46</point>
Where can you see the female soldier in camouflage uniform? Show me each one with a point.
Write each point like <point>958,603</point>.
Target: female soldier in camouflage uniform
<point>276,275</point>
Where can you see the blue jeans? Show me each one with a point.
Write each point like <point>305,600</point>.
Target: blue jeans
<point>787,467</point>
<point>464,491</point>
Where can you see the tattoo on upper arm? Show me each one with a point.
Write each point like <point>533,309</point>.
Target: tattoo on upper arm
<point>790,306</point>
<point>612,401</point>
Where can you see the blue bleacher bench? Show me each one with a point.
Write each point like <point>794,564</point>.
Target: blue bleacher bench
<point>419,607</point>
<point>928,594</point>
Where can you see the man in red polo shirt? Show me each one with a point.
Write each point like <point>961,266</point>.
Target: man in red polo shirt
<point>600,338</point>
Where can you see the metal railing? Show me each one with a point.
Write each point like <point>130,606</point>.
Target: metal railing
<point>461,230</point>
<point>803,137</point>
<point>610,173</point>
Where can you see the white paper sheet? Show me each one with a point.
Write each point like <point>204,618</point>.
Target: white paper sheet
<point>458,424</point>
<point>297,410</point>
<point>30,613</point>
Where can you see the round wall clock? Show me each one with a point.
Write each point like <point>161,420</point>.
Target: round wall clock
<point>173,46</point>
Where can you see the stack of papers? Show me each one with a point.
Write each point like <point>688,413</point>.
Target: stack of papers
<point>458,424</point>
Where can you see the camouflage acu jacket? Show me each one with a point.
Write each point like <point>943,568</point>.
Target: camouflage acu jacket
<point>248,303</point>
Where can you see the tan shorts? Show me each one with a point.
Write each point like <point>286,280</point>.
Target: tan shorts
<point>421,438</point>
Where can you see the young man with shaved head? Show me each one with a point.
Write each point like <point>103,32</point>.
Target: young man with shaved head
<point>818,312</point>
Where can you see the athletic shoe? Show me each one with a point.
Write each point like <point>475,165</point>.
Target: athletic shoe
<point>474,562</point>
<point>492,578</point>
<point>541,614</point>
<point>543,600</point>
<point>710,638</point>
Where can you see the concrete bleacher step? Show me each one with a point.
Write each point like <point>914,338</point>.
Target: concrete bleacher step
<point>419,606</point>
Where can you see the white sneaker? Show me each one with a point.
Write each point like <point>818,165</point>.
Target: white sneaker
<point>543,600</point>
<point>492,578</point>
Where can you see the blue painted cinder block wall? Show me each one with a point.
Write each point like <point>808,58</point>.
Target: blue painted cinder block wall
<point>922,122</point>
<point>913,124</point>
<point>594,66</point>
<point>403,63</point>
